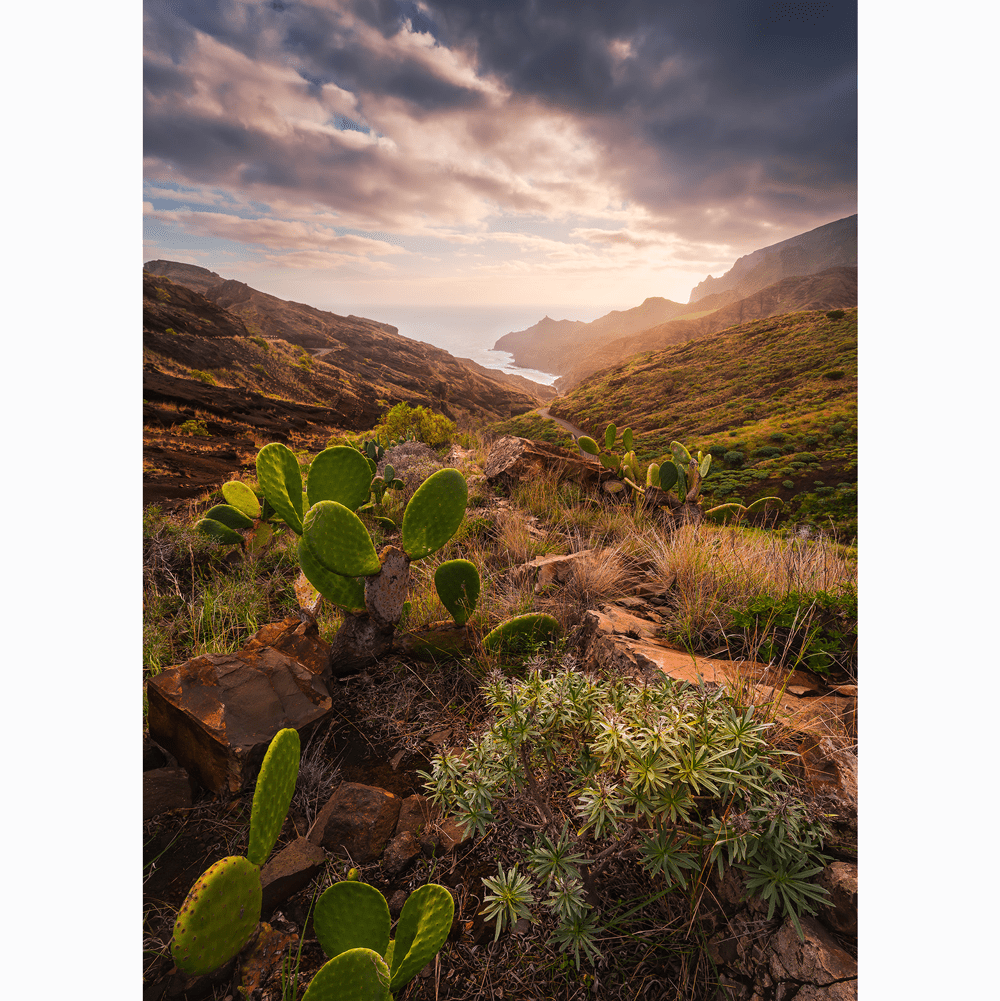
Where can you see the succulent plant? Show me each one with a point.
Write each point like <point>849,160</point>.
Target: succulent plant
<point>355,975</point>
<point>457,584</point>
<point>339,474</point>
<point>353,918</point>
<point>222,909</point>
<point>521,631</point>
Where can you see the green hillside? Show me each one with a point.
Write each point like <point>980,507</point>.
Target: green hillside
<point>774,401</point>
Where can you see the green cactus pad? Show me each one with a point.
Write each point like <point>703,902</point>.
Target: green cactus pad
<point>242,498</point>
<point>457,583</point>
<point>423,926</point>
<point>680,453</point>
<point>221,533</point>
<point>344,592</point>
<point>609,461</point>
<point>609,435</point>
<point>218,916</point>
<point>339,474</point>
<point>434,513</point>
<point>588,444</point>
<point>351,915</point>
<point>681,481</point>
<point>668,475</point>
<point>627,439</point>
<point>281,480</point>
<point>339,540</point>
<point>273,794</point>
<point>706,463</point>
<point>356,975</point>
<point>226,514</point>
<point>522,631</point>
<point>386,523</point>
<point>653,475</point>
<point>260,537</point>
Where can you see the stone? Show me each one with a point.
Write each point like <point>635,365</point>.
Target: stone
<point>818,962</point>
<point>358,819</point>
<point>452,835</point>
<point>165,789</point>
<point>551,571</point>
<point>399,853</point>
<point>152,756</point>
<point>218,713</point>
<point>840,879</point>
<point>831,773</point>
<point>396,902</point>
<point>290,871</point>
<point>263,958</point>
<point>513,459</point>
<point>416,815</point>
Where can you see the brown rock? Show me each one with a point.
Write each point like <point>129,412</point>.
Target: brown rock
<point>818,962</point>
<point>550,571</point>
<point>841,913</point>
<point>289,871</point>
<point>358,819</point>
<point>264,957</point>
<point>217,714</point>
<point>831,771</point>
<point>165,789</point>
<point>399,853</point>
<point>514,459</point>
<point>416,814</point>
<point>396,902</point>
<point>452,835</point>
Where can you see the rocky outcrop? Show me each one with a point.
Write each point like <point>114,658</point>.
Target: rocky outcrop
<point>514,459</point>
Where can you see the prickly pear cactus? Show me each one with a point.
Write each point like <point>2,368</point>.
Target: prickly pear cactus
<point>588,444</point>
<point>241,497</point>
<point>280,479</point>
<point>226,514</point>
<point>339,474</point>
<point>339,541</point>
<point>345,592</point>
<point>273,794</point>
<point>457,584</point>
<point>218,916</point>
<point>423,927</point>
<point>434,513</point>
<point>355,975</point>
<point>351,915</point>
<point>609,436</point>
<point>668,475</point>
<point>522,630</point>
<point>221,533</point>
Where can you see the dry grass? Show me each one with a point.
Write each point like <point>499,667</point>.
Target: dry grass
<point>598,577</point>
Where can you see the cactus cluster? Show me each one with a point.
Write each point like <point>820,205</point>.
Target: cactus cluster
<point>222,909</point>
<point>241,521</point>
<point>352,925</point>
<point>621,465</point>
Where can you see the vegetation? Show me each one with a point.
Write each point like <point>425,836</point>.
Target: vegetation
<point>786,383</point>
<point>532,425</point>
<point>420,423</point>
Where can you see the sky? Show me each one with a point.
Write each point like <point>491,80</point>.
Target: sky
<point>515,152</point>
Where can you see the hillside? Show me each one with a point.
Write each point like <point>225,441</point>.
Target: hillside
<point>213,385</point>
<point>832,245</point>
<point>835,288</point>
<point>774,400</point>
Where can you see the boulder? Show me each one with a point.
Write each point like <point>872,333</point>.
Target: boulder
<point>841,913</point>
<point>358,819</point>
<point>550,571</point>
<point>816,968</point>
<point>513,459</point>
<point>399,853</point>
<point>217,714</point>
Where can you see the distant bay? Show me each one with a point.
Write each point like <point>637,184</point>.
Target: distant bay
<point>470,331</point>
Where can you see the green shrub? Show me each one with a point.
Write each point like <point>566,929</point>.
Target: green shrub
<point>195,426</point>
<point>788,484</point>
<point>778,437</point>
<point>834,373</point>
<point>260,369</point>
<point>734,459</point>
<point>810,440</point>
<point>170,330</point>
<point>422,423</point>
<point>205,377</point>
<point>838,429</point>
<point>807,457</point>
<point>260,342</point>
<point>835,314</point>
<point>765,452</point>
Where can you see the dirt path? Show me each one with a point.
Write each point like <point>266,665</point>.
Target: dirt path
<point>565,425</point>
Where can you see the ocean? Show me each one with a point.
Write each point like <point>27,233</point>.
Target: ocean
<point>471,331</point>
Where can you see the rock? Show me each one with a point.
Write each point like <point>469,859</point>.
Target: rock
<point>416,815</point>
<point>217,714</point>
<point>152,756</point>
<point>841,914</point>
<point>452,835</point>
<point>290,871</point>
<point>549,571</point>
<point>396,902</point>
<point>359,643</point>
<point>165,789</point>
<point>514,459</point>
<point>819,965</point>
<point>831,772</point>
<point>264,957</point>
<point>399,853</point>
<point>358,819</point>
<point>440,640</point>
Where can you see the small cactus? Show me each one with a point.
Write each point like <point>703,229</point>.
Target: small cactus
<point>281,480</point>
<point>352,915</point>
<point>457,584</point>
<point>347,593</point>
<point>434,513</point>
<point>522,630</point>
<point>273,794</point>
<point>218,916</point>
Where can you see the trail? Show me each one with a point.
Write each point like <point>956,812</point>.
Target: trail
<point>565,425</point>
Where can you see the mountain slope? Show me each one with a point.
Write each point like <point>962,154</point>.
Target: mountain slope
<point>835,288</point>
<point>832,245</point>
<point>774,400</point>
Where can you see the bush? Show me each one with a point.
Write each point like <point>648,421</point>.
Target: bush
<point>834,373</point>
<point>807,457</point>
<point>766,452</point>
<point>778,437</point>
<point>836,314</point>
<point>788,484</point>
<point>734,459</point>
<point>838,429</point>
<point>205,377</point>
<point>260,342</point>
<point>404,421</point>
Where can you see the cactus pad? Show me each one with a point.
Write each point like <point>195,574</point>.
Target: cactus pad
<point>627,439</point>
<point>423,926</point>
<point>668,475</point>
<point>588,444</point>
<point>681,455</point>
<point>457,583</point>
<point>522,631</point>
<point>356,975</point>
<point>273,794</point>
<point>609,436</point>
<point>706,463</point>
<point>351,915</point>
<point>221,533</point>
<point>281,480</point>
<point>339,474</point>
<point>344,592</point>
<point>653,475</point>
<point>434,513</point>
<point>217,917</point>
<point>242,498</point>
<point>227,515</point>
<point>339,541</point>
